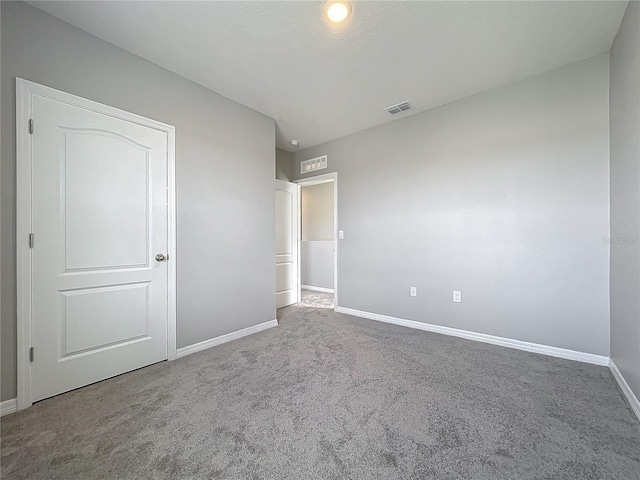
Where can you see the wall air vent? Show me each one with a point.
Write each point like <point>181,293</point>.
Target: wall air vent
<point>314,164</point>
<point>399,108</point>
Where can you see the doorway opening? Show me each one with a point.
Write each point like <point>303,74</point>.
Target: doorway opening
<point>318,241</point>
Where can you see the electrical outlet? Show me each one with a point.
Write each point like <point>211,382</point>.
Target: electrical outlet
<point>340,234</point>
<point>457,296</point>
<point>414,292</point>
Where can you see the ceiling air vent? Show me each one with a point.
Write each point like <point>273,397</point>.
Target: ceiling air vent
<point>314,164</point>
<point>399,108</point>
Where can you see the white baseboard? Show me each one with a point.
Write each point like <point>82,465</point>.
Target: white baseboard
<point>197,347</point>
<point>8,406</point>
<point>626,390</point>
<point>482,337</point>
<point>317,289</point>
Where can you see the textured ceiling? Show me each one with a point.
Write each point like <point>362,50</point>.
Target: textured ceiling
<point>320,83</point>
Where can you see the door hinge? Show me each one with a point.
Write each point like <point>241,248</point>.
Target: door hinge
<point>31,240</point>
<point>31,126</point>
<point>31,354</point>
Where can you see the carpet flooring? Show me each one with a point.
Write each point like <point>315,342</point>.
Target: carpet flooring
<point>329,396</point>
<point>314,299</point>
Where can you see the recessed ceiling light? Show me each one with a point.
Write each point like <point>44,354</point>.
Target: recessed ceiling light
<point>338,11</point>
<point>294,143</point>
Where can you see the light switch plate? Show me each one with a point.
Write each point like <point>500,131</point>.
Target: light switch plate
<point>457,296</point>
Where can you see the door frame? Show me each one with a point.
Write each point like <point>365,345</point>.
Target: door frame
<point>25,91</point>
<point>317,180</point>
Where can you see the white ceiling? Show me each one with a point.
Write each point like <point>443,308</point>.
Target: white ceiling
<point>320,83</point>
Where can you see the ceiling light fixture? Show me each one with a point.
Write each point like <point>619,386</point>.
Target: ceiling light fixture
<point>294,143</point>
<point>338,11</point>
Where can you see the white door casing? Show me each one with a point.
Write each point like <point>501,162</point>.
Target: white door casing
<point>95,188</point>
<point>287,231</point>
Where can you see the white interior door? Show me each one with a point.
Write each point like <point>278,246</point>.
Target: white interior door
<point>287,283</point>
<point>99,218</point>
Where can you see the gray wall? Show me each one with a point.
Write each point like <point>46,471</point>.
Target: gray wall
<point>316,263</point>
<point>226,228</point>
<point>284,165</point>
<point>316,249</point>
<point>503,195</point>
<point>317,212</point>
<point>625,198</point>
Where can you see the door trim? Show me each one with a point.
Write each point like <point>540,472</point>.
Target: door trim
<point>25,91</point>
<point>316,180</point>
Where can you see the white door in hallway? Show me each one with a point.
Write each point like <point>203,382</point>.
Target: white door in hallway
<point>99,218</point>
<point>287,284</point>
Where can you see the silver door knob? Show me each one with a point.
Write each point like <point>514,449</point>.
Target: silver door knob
<point>161,258</point>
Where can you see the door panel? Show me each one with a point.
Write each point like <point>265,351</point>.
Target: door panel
<point>99,217</point>
<point>286,243</point>
<point>284,276</point>
<point>95,317</point>
<point>97,188</point>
